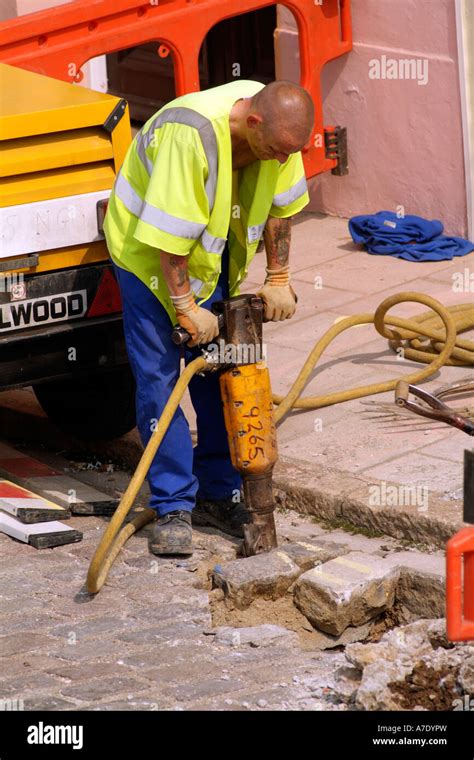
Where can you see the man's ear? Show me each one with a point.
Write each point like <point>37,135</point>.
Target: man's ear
<point>254,120</point>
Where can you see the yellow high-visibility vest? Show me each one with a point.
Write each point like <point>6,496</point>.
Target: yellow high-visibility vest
<point>176,192</point>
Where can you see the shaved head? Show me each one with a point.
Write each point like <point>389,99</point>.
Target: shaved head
<point>286,111</point>
<point>274,123</point>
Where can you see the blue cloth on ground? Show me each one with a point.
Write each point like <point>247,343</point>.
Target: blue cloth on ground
<point>410,237</point>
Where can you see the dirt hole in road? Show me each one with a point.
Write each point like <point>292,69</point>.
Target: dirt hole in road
<point>428,688</point>
<point>284,613</point>
<point>245,597</point>
<point>280,612</point>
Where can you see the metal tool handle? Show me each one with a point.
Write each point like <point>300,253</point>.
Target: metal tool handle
<point>435,409</point>
<point>402,392</point>
<point>180,336</point>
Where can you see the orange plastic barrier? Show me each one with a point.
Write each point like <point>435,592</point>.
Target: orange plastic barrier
<point>460,585</point>
<point>57,42</point>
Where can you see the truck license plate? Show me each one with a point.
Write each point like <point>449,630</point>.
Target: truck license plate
<point>34,312</point>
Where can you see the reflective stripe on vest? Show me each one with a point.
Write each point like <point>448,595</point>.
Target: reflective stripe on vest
<point>255,232</point>
<point>163,221</point>
<point>206,133</point>
<point>295,192</point>
<point>196,285</point>
<point>152,215</point>
<point>159,219</point>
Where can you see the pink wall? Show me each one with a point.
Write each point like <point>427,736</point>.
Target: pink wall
<point>12,8</point>
<point>405,138</point>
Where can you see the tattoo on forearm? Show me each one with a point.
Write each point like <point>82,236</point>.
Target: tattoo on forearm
<point>277,240</point>
<point>180,266</point>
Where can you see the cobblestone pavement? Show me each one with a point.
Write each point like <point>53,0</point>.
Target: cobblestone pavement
<point>146,642</point>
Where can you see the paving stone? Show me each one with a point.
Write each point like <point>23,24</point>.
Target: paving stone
<point>20,604</point>
<point>27,683</point>
<point>308,554</point>
<point>83,606</point>
<point>93,627</point>
<point>423,594</point>
<point>25,664</point>
<point>356,542</point>
<point>132,704</point>
<point>293,526</point>
<point>204,688</point>
<point>155,657</point>
<point>255,636</point>
<point>275,698</point>
<point>87,650</point>
<point>421,562</point>
<point>88,671</point>
<point>22,642</point>
<point>48,703</point>
<point>23,583</point>
<point>254,661</point>
<point>418,469</point>
<point>24,623</point>
<point>421,587</point>
<point>267,576</point>
<point>99,688</point>
<point>181,671</point>
<point>65,578</point>
<point>349,590</point>
<point>170,633</point>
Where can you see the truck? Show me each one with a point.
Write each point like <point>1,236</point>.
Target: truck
<point>61,146</point>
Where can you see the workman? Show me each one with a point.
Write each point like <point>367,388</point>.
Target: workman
<point>204,180</point>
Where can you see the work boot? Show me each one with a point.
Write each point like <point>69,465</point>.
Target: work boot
<point>172,534</point>
<point>223,514</point>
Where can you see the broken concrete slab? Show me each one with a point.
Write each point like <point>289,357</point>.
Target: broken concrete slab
<point>321,640</point>
<point>349,590</point>
<point>267,576</point>
<point>308,554</point>
<point>421,584</point>
<point>402,643</point>
<point>422,594</point>
<point>255,636</point>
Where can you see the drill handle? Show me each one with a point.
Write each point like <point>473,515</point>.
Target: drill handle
<point>180,336</point>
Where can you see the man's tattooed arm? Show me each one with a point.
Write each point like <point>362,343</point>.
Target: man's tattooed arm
<point>277,238</point>
<point>175,272</point>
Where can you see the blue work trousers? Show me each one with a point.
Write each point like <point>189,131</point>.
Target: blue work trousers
<point>179,472</point>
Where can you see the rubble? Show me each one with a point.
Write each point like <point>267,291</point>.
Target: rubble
<point>412,667</point>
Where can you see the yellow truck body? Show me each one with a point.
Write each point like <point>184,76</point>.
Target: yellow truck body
<point>61,146</point>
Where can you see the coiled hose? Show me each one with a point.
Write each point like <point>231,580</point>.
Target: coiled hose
<point>440,325</point>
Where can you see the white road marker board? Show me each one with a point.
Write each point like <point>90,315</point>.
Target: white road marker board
<point>40,535</point>
<point>27,506</point>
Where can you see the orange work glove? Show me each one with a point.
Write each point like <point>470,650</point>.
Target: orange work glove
<point>278,295</point>
<point>200,323</point>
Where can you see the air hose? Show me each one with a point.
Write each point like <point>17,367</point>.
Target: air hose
<point>445,348</point>
<point>112,541</point>
<point>440,325</point>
